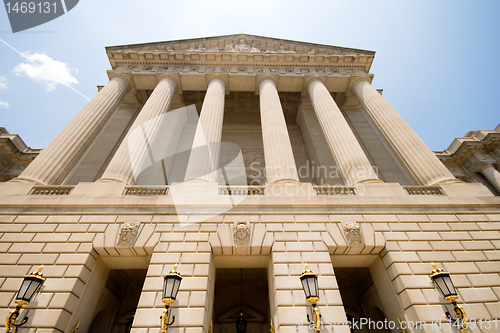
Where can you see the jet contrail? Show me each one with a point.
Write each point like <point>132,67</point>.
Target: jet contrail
<point>1,40</point>
<point>21,54</point>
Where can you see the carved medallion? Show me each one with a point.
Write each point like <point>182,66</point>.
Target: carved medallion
<point>128,234</point>
<point>241,234</point>
<point>352,234</point>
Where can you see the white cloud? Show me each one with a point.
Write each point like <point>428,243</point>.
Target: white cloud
<point>4,104</point>
<point>43,69</point>
<point>3,82</point>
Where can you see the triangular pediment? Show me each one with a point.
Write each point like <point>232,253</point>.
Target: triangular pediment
<point>240,43</point>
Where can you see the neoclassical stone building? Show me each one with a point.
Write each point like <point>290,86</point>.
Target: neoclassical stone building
<point>475,158</point>
<point>241,158</point>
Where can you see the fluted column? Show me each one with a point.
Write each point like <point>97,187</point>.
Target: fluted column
<point>56,160</point>
<point>419,160</point>
<point>204,160</point>
<point>280,163</point>
<point>350,157</point>
<point>120,169</point>
<point>492,174</point>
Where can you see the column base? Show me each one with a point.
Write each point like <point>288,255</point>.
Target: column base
<point>369,181</point>
<point>198,181</point>
<point>446,181</point>
<point>26,180</point>
<point>111,180</point>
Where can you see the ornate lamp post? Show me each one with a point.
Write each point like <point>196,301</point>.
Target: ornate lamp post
<point>310,285</point>
<point>30,286</point>
<point>171,284</point>
<point>444,285</point>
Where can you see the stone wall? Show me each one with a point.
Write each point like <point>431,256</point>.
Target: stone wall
<point>79,249</point>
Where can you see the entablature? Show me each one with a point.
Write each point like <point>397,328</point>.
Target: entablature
<point>241,78</point>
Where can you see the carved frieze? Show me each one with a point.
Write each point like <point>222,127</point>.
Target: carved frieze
<point>243,69</point>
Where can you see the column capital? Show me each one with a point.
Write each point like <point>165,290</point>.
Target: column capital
<point>488,170</point>
<point>174,77</point>
<point>355,79</point>
<point>308,79</point>
<point>483,165</point>
<point>125,76</point>
<point>261,79</point>
<point>478,161</point>
<point>224,78</point>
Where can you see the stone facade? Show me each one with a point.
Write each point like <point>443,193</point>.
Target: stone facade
<point>14,155</point>
<point>333,177</point>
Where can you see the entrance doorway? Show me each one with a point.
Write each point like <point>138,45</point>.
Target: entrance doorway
<point>116,308</point>
<point>241,290</point>
<point>361,299</point>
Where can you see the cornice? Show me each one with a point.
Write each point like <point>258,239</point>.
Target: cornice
<point>252,205</point>
<point>235,38</point>
<point>235,60</point>
<point>461,149</point>
<point>145,63</point>
<point>251,70</point>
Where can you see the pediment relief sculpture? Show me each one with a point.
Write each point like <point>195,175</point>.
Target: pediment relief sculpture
<point>242,46</point>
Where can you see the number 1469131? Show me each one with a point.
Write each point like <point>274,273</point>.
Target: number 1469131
<point>31,7</point>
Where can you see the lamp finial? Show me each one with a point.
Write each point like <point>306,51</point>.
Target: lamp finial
<point>40,269</point>
<point>175,266</point>
<point>306,266</point>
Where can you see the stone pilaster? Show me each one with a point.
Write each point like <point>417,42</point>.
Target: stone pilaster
<point>287,299</point>
<point>57,159</point>
<point>194,304</point>
<point>280,163</point>
<point>120,169</point>
<point>419,160</point>
<point>349,155</point>
<point>203,164</point>
<point>492,174</point>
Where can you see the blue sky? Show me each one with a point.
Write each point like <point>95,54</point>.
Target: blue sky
<point>436,60</point>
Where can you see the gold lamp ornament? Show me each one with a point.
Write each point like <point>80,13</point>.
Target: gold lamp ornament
<point>171,284</point>
<point>310,285</point>
<point>29,287</point>
<point>444,285</point>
